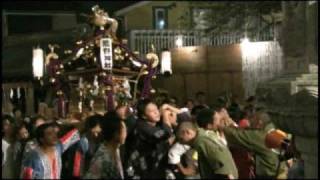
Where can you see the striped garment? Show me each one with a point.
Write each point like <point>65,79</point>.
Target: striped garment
<point>38,165</point>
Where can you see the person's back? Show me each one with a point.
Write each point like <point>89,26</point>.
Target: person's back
<point>152,138</point>
<point>214,157</point>
<point>152,147</point>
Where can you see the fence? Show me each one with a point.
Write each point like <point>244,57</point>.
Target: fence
<point>141,40</point>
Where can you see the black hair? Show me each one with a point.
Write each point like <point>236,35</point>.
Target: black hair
<point>92,121</point>
<point>120,105</point>
<point>249,111</point>
<point>251,99</point>
<point>220,103</point>
<point>204,117</point>
<point>16,109</point>
<point>20,126</point>
<point>8,117</point>
<point>196,109</point>
<point>32,124</point>
<point>40,130</point>
<point>34,119</point>
<point>141,107</point>
<point>186,125</point>
<point>186,102</point>
<point>110,125</point>
<point>200,93</point>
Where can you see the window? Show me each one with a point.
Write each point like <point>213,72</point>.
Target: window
<point>201,18</point>
<point>160,18</point>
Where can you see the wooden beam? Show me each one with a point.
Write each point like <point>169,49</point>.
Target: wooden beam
<point>17,84</point>
<point>38,37</point>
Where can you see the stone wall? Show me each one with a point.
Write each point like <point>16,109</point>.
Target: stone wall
<point>292,99</point>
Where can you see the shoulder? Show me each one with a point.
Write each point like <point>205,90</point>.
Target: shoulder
<point>102,153</point>
<point>33,156</point>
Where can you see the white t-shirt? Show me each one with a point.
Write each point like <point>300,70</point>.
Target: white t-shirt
<point>7,160</point>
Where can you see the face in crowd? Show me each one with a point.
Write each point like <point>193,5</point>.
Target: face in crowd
<point>50,137</point>
<point>152,113</point>
<point>7,127</point>
<point>95,131</point>
<point>186,132</point>
<point>23,133</point>
<point>122,112</point>
<point>216,120</point>
<point>189,105</point>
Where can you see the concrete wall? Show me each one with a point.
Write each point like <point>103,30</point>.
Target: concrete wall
<point>213,70</point>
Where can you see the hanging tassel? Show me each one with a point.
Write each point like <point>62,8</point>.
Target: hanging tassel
<point>91,105</point>
<point>80,102</point>
<point>61,105</point>
<point>108,97</point>
<point>11,93</point>
<point>110,100</point>
<point>80,106</point>
<point>147,83</point>
<point>18,93</point>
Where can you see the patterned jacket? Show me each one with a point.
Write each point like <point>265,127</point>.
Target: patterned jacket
<point>149,151</point>
<point>103,166</point>
<point>38,166</point>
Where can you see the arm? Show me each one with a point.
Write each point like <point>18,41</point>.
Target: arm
<point>29,168</point>
<point>172,116</point>
<point>69,139</point>
<point>161,136</point>
<point>170,108</point>
<point>252,140</point>
<point>81,149</point>
<point>175,153</point>
<point>187,171</point>
<point>77,163</point>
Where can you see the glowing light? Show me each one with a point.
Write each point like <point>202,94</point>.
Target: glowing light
<point>166,62</point>
<point>80,52</point>
<point>37,62</point>
<point>179,41</point>
<point>136,63</point>
<point>252,49</point>
<point>161,24</point>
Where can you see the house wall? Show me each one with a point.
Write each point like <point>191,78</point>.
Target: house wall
<point>142,17</point>
<point>213,70</point>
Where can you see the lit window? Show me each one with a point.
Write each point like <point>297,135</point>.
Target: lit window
<point>160,18</point>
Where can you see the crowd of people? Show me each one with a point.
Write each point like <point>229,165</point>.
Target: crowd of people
<point>150,140</point>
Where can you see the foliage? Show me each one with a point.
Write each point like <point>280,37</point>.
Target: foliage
<point>234,16</point>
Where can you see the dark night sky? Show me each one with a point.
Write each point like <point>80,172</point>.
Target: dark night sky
<point>77,6</point>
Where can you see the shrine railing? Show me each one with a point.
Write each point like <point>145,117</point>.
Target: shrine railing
<point>140,40</point>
